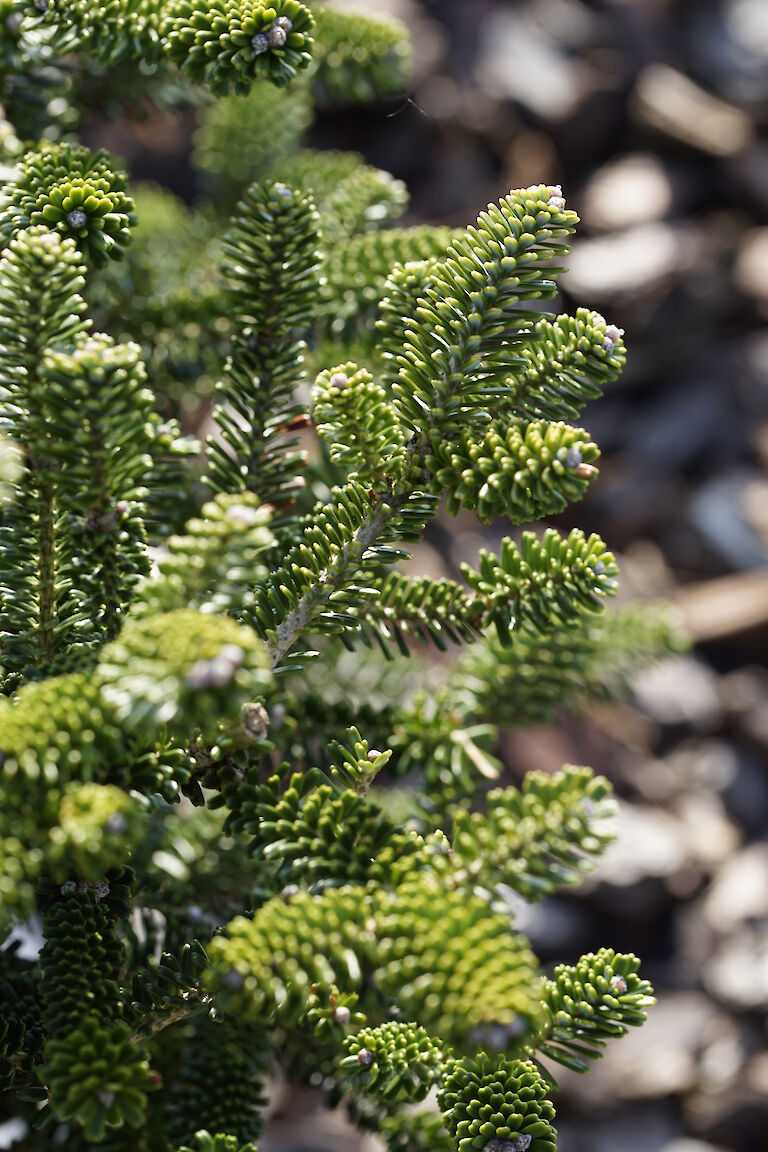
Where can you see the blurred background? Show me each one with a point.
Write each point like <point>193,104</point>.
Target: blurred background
<point>653,115</point>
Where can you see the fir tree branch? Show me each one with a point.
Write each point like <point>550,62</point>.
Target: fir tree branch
<point>469,331</point>
<point>333,577</point>
<point>40,279</point>
<point>271,272</point>
<point>588,1003</point>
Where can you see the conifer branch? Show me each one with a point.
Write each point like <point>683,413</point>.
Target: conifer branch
<point>509,280</point>
<point>270,267</point>
<point>357,935</point>
<point>590,1002</point>
<point>345,559</point>
<point>40,278</point>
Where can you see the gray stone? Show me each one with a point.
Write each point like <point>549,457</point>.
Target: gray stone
<point>712,765</point>
<point>751,267</point>
<point>710,836</point>
<point>661,1059</point>
<point>638,259</point>
<point>690,1146</point>
<point>628,1132</point>
<point>739,892</point>
<point>635,187</point>
<point>737,974</point>
<point>516,53</point>
<point>672,103</point>
<point>745,696</point>
<point>746,795</point>
<point>649,842</point>
<point>682,690</point>
<point>720,511</point>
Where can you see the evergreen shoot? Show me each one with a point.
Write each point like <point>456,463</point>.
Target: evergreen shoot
<point>250,818</point>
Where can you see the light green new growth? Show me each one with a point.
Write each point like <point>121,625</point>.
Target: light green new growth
<point>73,191</point>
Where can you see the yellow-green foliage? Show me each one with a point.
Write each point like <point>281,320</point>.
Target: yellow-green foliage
<point>75,192</point>
<point>319,870</point>
<point>98,829</point>
<point>392,1062</point>
<point>498,1102</point>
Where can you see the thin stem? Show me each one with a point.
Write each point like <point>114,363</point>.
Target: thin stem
<point>46,573</point>
<point>180,1012</point>
<point>331,579</point>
